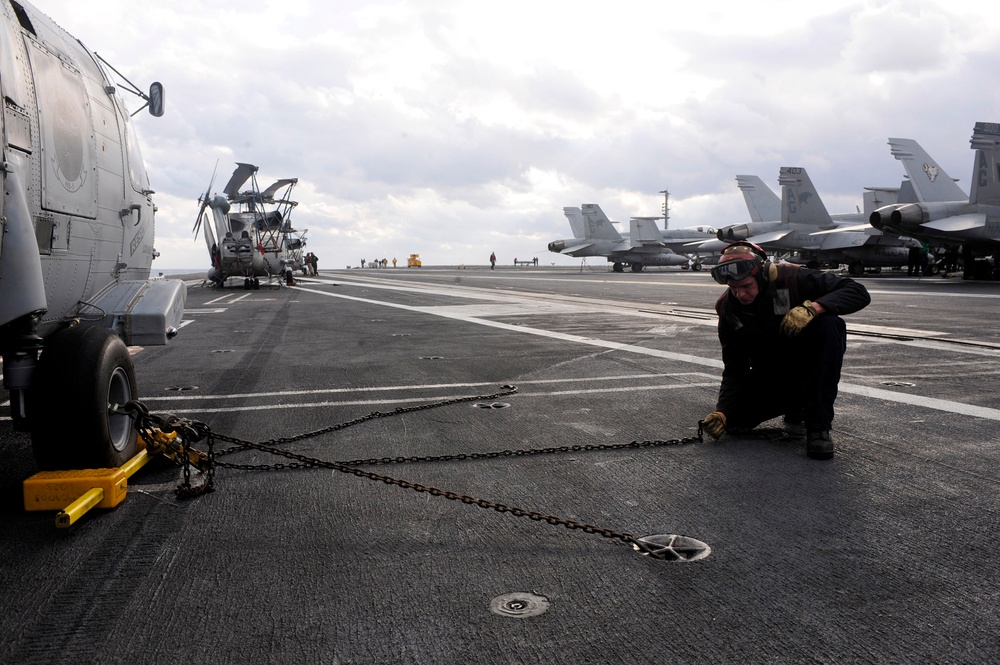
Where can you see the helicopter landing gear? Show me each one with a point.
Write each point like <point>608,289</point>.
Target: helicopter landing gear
<point>81,372</point>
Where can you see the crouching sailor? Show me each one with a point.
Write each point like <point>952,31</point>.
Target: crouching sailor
<point>783,344</point>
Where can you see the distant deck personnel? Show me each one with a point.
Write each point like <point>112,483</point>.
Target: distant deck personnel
<point>783,344</point>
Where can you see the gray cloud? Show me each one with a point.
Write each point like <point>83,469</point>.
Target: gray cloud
<point>422,127</point>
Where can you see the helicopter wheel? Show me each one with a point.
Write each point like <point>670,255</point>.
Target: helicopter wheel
<point>256,284</point>
<point>81,371</point>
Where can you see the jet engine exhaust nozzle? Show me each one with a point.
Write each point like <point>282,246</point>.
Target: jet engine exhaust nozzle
<point>735,232</point>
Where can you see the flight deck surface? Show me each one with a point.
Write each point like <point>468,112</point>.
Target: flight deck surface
<point>887,553</point>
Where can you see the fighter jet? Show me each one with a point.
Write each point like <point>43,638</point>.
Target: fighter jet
<point>76,247</point>
<point>245,238</point>
<point>809,233</point>
<point>645,245</point>
<point>973,222</point>
<point>764,207</point>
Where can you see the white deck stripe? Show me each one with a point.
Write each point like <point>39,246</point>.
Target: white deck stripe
<point>877,393</point>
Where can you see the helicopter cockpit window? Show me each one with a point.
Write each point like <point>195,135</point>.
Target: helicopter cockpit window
<point>136,167</point>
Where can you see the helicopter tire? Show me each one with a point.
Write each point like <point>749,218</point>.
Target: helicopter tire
<point>81,371</point>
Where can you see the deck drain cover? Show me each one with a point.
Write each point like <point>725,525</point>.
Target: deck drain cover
<point>491,405</point>
<point>180,389</point>
<point>672,547</point>
<point>519,605</point>
<point>431,357</point>
<point>223,350</point>
<point>899,384</point>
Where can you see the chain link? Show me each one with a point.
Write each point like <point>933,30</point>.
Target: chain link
<point>193,431</point>
<point>506,390</point>
<point>460,457</point>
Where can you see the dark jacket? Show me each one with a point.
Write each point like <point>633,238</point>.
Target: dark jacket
<point>750,336</point>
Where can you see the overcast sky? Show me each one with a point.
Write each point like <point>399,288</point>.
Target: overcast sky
<point>455,128</point>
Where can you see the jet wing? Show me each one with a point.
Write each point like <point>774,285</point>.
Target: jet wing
<point>867,229</point>
<point>576,248</point>
<point>707,245</point>
<point>957,223</point>
<point>765,238</point>
<point>843,240</point>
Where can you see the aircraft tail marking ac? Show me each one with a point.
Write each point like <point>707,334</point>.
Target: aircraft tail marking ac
<point>598,226</point>
<point>985,176</point>
<point>800,202</point>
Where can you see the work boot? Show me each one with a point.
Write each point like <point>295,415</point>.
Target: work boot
<point>819,445</point>
<point>794,426</point>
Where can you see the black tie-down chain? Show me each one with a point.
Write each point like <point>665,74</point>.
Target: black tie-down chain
<point>172,436</point>
<point>200,430</point>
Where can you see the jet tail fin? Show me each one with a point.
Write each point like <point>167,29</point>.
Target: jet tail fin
<point>985,178</point>
<point>576,222</point>
<point>930,182</point>
<point>762,203</point>
<point>598,226</point>
<point>876,197</point>
<point>800,202</point>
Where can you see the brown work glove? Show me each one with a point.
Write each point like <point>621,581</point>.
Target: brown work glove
<point>715,424</point>
<point>797,319</point>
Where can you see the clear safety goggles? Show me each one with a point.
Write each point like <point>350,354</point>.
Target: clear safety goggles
<point>733,270</point>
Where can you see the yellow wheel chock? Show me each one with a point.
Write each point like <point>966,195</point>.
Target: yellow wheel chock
<point>73,492</point>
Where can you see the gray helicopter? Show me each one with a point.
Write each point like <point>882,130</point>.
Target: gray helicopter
<point>249,233</point>
<point>76,245</point>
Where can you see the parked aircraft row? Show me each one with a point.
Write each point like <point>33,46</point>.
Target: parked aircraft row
<point>942,213</point>
<point>805,231</point>
<point>645,244</point>
<point>928,208</point>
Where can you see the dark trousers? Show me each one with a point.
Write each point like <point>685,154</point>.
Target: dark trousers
<point>801,382</point>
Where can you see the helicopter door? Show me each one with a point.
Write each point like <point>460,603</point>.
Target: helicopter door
<point>68,141</point>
